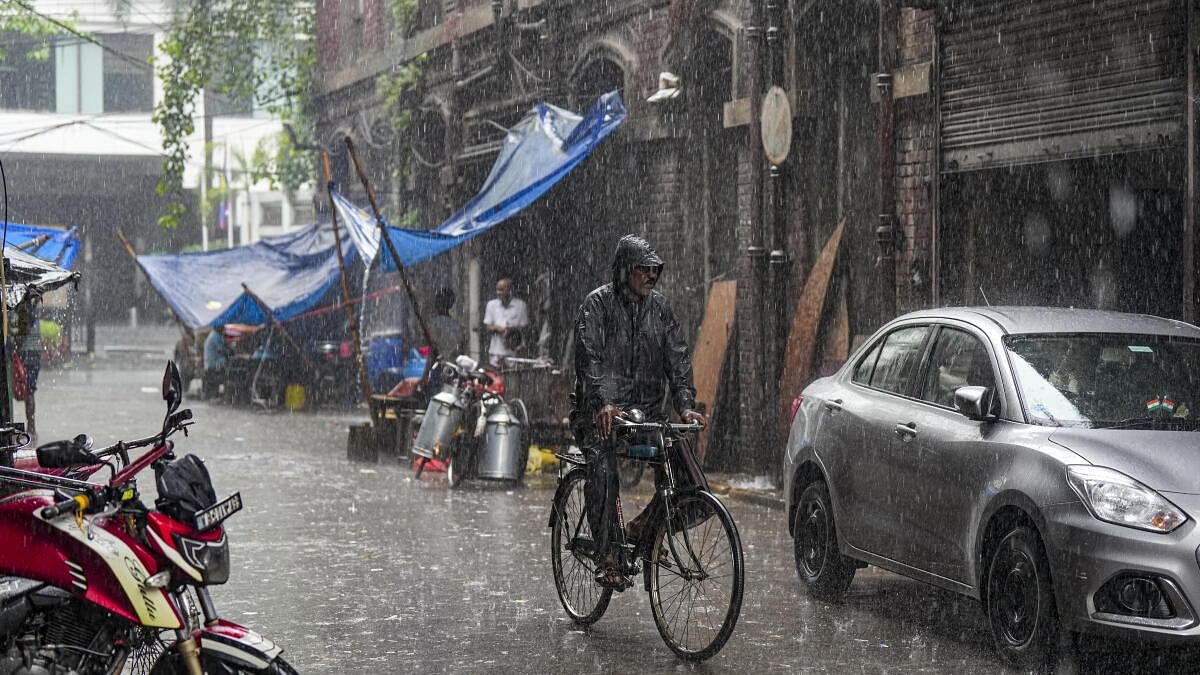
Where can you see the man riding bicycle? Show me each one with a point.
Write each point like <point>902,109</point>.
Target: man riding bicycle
<point>628,344</point>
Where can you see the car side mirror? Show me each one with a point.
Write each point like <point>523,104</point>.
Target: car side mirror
<point>977,403</point>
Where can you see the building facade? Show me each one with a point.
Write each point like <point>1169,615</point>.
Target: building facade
<point>1032,153</point>
<point>80,149</point>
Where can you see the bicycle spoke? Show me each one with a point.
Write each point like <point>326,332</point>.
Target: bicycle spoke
<point>697,578</point>
<point>574,569</point>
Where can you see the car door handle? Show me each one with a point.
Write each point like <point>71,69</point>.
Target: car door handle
<point>834,405</point>
<point>906,431</point>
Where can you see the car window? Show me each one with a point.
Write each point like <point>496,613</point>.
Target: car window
<point>898,359</point>
<point>862,373</point>
<point>959,359</point>
<point>1107,379</point>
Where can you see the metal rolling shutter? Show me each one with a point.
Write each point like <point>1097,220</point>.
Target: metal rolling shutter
<point>1027,81</point>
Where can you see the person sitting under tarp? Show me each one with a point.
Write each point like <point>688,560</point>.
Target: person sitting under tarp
<point>215,359</point>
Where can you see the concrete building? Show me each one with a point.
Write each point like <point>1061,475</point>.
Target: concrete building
<point>79,149</point>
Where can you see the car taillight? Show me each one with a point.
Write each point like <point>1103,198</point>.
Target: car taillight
<point>796,405</point>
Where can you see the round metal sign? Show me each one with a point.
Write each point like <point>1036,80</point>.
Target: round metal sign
<point>776,125</point>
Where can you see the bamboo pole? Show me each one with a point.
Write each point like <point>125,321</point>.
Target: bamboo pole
<point>34,243</point>
<point>412,295</point>
<point>266,309</point>
<point>337,243</point>
<point>62,251</point>
<point>391,248</point>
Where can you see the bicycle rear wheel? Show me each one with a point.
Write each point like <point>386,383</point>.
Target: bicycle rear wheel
<point>696,576</point>
<point>570,554</point>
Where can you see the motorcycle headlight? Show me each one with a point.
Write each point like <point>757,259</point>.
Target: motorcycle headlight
<point>210,557</point>
<point>1115,498</point>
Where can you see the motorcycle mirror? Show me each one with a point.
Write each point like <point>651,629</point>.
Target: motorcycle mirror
<point>63,455</point>
<point>172,387</point>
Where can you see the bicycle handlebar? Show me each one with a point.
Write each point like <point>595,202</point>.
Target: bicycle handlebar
<point>655,426</point>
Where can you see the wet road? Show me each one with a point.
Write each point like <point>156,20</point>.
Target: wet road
<point>360,569</point>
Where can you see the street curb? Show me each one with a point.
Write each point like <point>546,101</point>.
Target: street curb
<point>764,499</point>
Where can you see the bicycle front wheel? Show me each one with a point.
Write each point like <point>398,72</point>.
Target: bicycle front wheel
<point>571,554</point>
<point>696,576</point>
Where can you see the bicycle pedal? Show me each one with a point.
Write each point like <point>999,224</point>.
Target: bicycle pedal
<point>627,582</point>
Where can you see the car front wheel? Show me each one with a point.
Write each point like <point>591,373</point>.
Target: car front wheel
<point>822,568</point>
<point>1020,601</point>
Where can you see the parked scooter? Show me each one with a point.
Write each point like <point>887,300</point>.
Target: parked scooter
<point>99,579</point>
<point>335,379</point>
<point>471,428</point>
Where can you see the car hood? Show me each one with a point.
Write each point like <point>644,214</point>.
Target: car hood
<point>1167,461</point>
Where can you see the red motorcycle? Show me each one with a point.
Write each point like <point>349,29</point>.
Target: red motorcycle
<point>97,579</point>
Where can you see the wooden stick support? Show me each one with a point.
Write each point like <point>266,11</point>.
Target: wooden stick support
<point>391,248</point>
<point>337,243</point>
<point>266,309</point>
<point>34,243</point>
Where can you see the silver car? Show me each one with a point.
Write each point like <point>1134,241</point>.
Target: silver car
<point>1043,461</point>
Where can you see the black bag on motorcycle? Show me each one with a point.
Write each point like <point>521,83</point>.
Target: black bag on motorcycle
<point>185,488</point>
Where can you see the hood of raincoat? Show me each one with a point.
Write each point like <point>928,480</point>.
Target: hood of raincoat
<point>632,250</point>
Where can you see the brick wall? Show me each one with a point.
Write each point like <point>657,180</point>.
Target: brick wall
<point>375,24</point>
<point>916,168</point>
<point>327,34</point>
<point>652,150</point>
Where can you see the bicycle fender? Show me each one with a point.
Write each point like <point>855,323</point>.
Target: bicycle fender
<point>237,644</point>
<point>558,492</point>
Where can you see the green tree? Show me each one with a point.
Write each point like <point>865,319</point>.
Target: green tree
<point>19,17</point>
<point>259,50</point>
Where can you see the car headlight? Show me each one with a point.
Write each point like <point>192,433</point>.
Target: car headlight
<point>1113,497</point>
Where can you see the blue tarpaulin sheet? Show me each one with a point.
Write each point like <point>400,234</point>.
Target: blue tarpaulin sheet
<point>293,273</point>
<point>290,273</point>
<point>537,152</point>
<point>61,246</point>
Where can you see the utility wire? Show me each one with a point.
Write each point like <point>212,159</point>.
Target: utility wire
<point>7,142</point>
<point>82,36</point>
<point>124,57</point>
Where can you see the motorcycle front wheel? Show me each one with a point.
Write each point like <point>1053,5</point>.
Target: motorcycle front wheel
<point>217,664</point>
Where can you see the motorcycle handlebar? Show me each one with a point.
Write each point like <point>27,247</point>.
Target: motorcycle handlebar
<point>64,507</point>
<point>174,423</point>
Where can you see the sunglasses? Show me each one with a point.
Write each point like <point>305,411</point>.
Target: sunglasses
<point>647,269</point>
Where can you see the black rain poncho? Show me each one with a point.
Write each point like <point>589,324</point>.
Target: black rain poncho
<point>625,352</point>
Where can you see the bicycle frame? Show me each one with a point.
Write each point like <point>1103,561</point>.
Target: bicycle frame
<point>628,556</point>
<point>683,511</point>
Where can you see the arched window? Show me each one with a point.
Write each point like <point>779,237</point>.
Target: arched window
<point>599,76</point>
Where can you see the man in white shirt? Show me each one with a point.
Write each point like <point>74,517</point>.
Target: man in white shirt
<point>502,317</point>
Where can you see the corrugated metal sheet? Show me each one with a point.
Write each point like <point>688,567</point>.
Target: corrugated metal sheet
<point>1025,81</point>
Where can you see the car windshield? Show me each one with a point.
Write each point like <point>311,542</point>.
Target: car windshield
<point>1108,380</point>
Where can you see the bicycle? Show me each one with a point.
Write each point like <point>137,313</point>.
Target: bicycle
<point>693,567</point>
